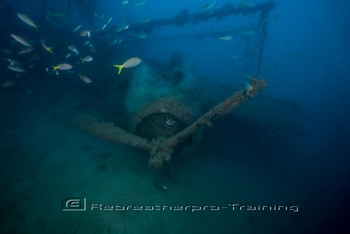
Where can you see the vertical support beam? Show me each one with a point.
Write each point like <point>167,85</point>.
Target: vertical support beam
<point>261,40</point>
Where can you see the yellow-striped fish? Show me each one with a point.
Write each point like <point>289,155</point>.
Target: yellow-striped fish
<point>27,20</point>
<point>21,40</point>
<point>25,50</point>
<point>47,48</point>
<point>87,59</point>
<point>62,67</point>
<point>85,78</point>
<point>16,68</point>
<point>131,62</point>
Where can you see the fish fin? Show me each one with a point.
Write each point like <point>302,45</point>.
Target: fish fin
<point>120,67</point>
<point>54,68</point>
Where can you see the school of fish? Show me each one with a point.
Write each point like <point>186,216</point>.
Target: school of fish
<point>24,51</point>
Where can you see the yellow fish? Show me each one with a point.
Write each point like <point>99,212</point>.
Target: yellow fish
<point>21,40</point>
<point>62,67</point>
<point>27,20</point>
<point>85,78</point>
<point>25,50</point>
<point>131,62</point>
<point>47,48</point>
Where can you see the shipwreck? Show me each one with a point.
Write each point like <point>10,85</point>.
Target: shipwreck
<point>171,125</point>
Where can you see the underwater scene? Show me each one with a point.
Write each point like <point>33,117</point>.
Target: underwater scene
<point>176,116</point>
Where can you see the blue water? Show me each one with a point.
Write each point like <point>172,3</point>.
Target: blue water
<point>277,164</point>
